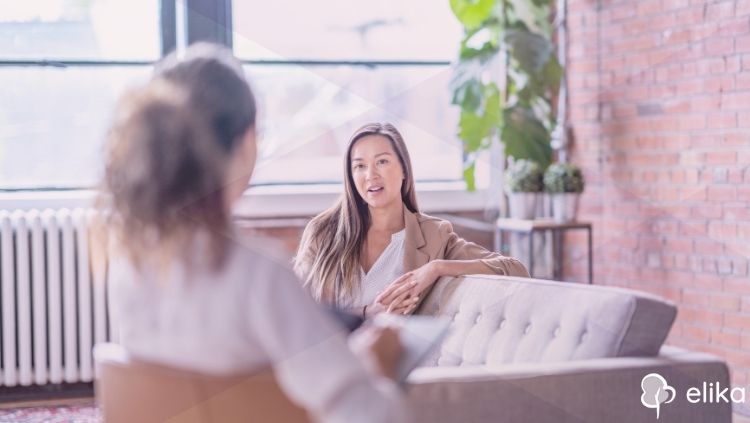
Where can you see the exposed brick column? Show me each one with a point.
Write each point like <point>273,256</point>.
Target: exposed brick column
<point>660,110</point>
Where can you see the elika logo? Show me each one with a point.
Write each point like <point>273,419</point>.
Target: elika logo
<point>656,391</point>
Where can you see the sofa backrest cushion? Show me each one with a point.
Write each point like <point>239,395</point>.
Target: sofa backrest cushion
<point>500,320</point>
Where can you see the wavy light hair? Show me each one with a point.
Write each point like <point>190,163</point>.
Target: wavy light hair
<point>167,152</point>
<point>328,258</point>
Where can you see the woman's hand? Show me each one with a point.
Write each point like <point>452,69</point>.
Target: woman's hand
<point>379,347</point>
<point>400,291</point>
<point>403,295</point>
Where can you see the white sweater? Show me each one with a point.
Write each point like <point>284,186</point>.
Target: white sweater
<point>248,315</point>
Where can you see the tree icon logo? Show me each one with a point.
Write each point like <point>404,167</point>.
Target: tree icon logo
<point>656,391</point>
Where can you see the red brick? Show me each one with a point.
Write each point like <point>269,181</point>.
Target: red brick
<point>735,100</point>
<point>721,230</point>
<point>742,81</point>
<point>725,302</point>
<point>696,333</point>
<point>707,211</point>
<point>719,11</point>
<point>705,103</point>
<point>721,193</point>
<point>696,298</point>
<point>693,194</point>
<point>694,228</point>
<point>736,140</point>
<point>745,303</point>
<point>706,281</point>
<point>718,46</point>
<point>726,338</point>
<point>743,230</point>
<point>709,246</point>
<point>745,344</point>
<point>737,320</point>
<point>721,120</point>
<point>678,245</point>
<point>700,316</point>
<point>721,157</point>
<point>737,285</point>
<point>692,15</point>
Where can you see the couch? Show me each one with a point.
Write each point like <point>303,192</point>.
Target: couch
<point>525,350</point>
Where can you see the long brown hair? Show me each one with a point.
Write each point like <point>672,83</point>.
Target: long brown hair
<point>333,241</point>
<point>167,152</point>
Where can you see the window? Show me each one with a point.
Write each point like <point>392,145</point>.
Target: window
<point>79,29</point>
<point>63,64</point>
<point>319,72</point>
<point>324,68</point>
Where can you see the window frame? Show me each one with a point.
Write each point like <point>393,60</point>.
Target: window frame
<point>206,20</point>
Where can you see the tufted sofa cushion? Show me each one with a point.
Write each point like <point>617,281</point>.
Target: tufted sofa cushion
<point>500,320</point>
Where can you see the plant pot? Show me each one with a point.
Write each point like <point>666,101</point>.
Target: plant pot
<point>522,205</point>
<point>565,206</point>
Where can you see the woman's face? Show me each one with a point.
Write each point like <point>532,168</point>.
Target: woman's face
<point>376,171</point>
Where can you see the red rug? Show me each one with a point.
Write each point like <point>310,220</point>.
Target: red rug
<point>85,413</point>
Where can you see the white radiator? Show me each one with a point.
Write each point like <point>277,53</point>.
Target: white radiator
<point>53,307</point>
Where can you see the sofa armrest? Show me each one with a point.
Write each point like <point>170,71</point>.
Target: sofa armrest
<point>576,391</point>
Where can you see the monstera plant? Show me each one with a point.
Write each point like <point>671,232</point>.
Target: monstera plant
<point>516,105</point>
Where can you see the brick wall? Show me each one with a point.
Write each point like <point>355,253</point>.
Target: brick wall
<point>660,114</point>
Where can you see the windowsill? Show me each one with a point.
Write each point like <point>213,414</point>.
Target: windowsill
<point>272,201</point>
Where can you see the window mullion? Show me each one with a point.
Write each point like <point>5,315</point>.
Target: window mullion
<point>168,26</point>
<point>209,20</point>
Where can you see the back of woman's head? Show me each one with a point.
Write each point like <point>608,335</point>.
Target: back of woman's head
<point>168,151</point>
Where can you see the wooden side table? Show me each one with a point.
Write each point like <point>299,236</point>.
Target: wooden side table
<point>544,225</point>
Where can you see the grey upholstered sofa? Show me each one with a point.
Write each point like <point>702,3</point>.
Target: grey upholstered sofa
<point>524,350</point>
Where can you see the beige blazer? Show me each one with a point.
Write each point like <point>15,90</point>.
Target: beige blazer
<point>429,238</point>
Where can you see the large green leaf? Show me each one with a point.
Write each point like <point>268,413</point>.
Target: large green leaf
<point>468,95</point>
<point>525,137</point>
<point>552,74</point>
<point>534,14</point>
<point>466,85</point>
<point>532,51</point>
<point>471,13</point>
<point>532,87</point>
<point>469,176</point>
<point>476,127</point>
<point>482,43</point>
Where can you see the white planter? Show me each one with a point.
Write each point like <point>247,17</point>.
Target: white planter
<point>565,206</point>
<point>522,205</point>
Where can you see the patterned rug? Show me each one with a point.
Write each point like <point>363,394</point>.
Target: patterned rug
<point>84,413</point>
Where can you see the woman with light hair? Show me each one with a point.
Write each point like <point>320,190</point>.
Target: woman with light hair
<point>192,292</point>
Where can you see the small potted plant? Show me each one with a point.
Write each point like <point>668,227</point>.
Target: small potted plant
<point>564,182</point>
<point>524,182</point>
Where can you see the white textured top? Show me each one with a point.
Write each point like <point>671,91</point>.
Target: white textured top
<point>388,267</point>
<point>248,315</point>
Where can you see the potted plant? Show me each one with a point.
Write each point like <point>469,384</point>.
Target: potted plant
<point>523,182</point>
<point>506,79</point>
<point>564,182</point>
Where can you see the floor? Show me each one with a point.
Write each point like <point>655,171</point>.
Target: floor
<point>82,410</point>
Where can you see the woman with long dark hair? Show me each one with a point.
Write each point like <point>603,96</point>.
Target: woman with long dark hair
<point>189,292</point>
<point>373,250</point>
